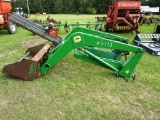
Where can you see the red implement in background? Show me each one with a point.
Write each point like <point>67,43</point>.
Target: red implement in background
<point>123,15</point>
<point>5,8</point>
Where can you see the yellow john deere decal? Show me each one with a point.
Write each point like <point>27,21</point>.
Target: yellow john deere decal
<point>77,39</point>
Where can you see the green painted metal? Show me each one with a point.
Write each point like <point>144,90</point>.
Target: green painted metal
<point>86,44</point>
<point>101,60</point>
<point>23,57</point>
<point>98,33</point>
<point>93,46</point>
<point>102,53</point>
<point>96,56</point>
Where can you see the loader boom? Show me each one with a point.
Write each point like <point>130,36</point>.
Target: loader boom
<point>85,40</point>
<point>89,45</point>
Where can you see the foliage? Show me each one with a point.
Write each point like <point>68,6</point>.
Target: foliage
<point>151,3</point>
<point>63,6</point>
<point>91,10</point>
<point>71,6</point>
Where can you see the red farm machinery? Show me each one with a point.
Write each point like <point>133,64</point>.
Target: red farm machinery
<point>123,15</point>
<point>5,8</point>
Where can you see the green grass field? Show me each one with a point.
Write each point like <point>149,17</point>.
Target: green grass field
<point>77,90</point>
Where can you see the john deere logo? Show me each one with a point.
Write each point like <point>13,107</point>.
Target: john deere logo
<point>127,71</point>
<point>77,39</point>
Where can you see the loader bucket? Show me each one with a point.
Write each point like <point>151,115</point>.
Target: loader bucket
<point>28,67</point>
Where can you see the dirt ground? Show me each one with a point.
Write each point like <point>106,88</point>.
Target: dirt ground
<point>33,42</point>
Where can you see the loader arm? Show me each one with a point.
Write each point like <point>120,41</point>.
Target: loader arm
<point>92,46</point>
<point>88,41</point>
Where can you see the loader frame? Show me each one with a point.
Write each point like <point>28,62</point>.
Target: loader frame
<point>89,45</point>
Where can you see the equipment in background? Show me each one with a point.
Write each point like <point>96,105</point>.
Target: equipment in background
<point>149,9</point>
<point>19,11</point>
<point>5,8</point>
<point>149,18</point>
<point>152,44</point>
<point>68,26</point>
<point>88,45</point>
<point>101,19</point>
<point>123,15</point>
<point>95,26</point>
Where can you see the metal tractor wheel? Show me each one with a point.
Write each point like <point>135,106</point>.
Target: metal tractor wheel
<point>11,27</point>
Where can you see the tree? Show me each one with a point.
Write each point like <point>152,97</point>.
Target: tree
<point>151,3</point>
<point>71,6</point>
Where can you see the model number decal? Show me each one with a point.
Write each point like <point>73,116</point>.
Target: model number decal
<point>105,43</point>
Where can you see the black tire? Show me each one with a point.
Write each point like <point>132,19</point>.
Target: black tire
<point>11,27</point>
<point>100,29</point>
<point>67,29</point>
<point>114,29</point>
<point>106,27</point>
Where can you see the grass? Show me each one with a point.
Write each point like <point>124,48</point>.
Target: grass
<point>74,89</point>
